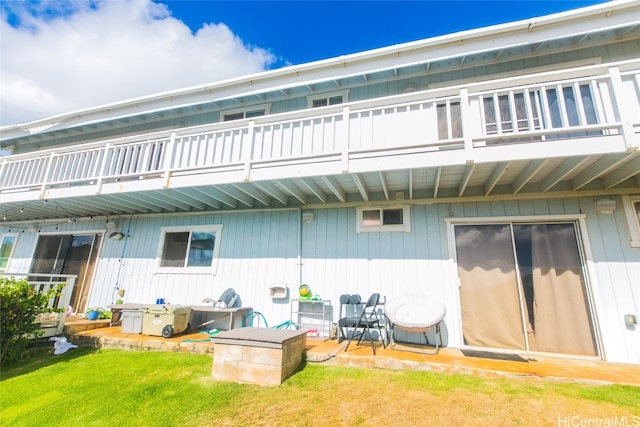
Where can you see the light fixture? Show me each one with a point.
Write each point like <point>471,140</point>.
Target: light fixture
<point>605,206</point>
<point>308,217</point>
<point>116,235</point>
<point>111,225</point>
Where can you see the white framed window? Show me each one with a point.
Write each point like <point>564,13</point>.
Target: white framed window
<point>388,218</point>
<point>7,244</point>
<point>189,249</point>
<point>326,99</point>
<point>245,113</point>
<point>631,205</point>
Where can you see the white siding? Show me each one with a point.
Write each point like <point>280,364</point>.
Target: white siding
<point>258,249</point>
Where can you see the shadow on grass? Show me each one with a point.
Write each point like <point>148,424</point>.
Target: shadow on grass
<point>40,355</point>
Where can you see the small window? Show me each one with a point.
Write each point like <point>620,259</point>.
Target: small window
<point>383,219</point>
<point>7,243</point>
<point>631,206</point>
<point>449,120</point>
<point>246,113</point>
<point>189,249</point>
<point>327,99</point>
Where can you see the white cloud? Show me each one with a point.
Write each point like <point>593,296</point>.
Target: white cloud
<point>96,52</point>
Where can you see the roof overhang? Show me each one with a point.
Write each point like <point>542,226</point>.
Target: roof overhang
<point>572,29</point>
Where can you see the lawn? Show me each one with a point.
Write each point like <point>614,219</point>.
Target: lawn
<point>86,387</point>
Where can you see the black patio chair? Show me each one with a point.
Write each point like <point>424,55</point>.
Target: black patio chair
<point>348,314</point>
<point>364,323</point>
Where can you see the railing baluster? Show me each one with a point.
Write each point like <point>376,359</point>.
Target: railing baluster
<point>496,111</point>
<point>43,188</point>
<point>343,147</point>
<point>618,94</point>
<point>467,131</point>
<point>102,167</point>
<point>3,168</point>
<point>579,104</point>
<point>562,106</point>
<point>528,109</point>
<point>512,111</point>
<point>247,151</point>
<point>167,160</point>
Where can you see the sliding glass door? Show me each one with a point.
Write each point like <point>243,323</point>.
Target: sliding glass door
<point>69,254</point>
<point>523,288</point>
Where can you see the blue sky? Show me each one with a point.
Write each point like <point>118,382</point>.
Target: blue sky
<point>59,56</point>
<point>304,31</point>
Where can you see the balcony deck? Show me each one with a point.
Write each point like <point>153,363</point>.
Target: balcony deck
<point>562,131</point>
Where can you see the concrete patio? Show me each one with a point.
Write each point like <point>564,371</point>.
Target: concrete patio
<point>99,334</point>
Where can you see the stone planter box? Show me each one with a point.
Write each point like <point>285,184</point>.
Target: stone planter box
<point>257,355</point>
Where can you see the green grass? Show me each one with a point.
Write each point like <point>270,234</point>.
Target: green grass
<point>86,387</point>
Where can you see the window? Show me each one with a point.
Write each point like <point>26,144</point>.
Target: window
<point>449,120</point>
<point>393,218</point>
<point>189,248</point>
<point>536,109</point>
<point>7,243</point>
<point>247,113</point>
<point>631,206</point>
<point>328,99</point>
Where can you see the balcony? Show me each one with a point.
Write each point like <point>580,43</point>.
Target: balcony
<point>566,130</point>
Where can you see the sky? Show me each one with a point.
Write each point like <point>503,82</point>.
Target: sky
<point>59,56</point>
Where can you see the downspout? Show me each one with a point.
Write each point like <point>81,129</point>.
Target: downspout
<point>299,237</point>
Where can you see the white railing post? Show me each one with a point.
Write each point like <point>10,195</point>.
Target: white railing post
<point>168,159</point>
<point>466,116</point>
<point>631,141</point>
<point>102,167</point>
<point>2,168</point>
<point>345,149</point>
<point>247,150</point>
<point>43,188</point>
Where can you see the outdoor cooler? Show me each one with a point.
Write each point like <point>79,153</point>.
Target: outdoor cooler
<point>165,320</point>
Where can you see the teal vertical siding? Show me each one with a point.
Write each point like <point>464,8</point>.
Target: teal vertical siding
<point>258,249</point>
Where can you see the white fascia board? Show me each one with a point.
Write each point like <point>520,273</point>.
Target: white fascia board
<point>503,36</point>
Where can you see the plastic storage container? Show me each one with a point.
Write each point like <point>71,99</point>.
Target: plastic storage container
<point>132,321</point>
<point>165,320</point>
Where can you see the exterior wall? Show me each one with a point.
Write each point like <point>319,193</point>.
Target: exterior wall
<point>260,248</point>
<point>256,250</point>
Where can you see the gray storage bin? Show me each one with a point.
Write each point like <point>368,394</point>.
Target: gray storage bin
<point>132,321</point>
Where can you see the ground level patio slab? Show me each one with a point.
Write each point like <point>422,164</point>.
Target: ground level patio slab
<point>330,352</point>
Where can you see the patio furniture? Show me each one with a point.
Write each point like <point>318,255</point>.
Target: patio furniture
<point>364,323</point>
<point>348,309</point>
<point>415,313</point>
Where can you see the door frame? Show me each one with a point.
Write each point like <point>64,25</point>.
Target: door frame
<point>98,248</point>
<point>594,300</point>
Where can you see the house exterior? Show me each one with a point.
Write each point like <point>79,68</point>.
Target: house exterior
<point>495,170</point>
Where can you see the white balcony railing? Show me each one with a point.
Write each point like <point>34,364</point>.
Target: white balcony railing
<point>45,282</point>
<point>587,101</point>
